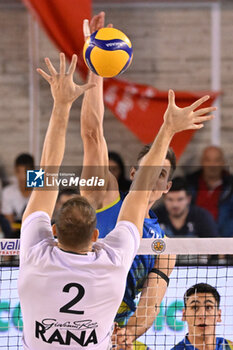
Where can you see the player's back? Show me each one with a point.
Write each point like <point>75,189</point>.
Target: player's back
<point>69,299</point>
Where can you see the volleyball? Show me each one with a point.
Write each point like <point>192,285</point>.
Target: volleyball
<point>108,52</point>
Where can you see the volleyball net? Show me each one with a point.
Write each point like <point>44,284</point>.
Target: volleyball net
<point>198,260</point>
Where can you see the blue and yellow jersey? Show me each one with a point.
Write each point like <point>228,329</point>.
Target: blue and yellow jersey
<point>142,264</point>
<point>107,217</point>
<point>221,344</point>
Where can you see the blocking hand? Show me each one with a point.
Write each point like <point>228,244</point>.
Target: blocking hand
<point>63,88</point>
<point>96,23</point>
<point>187,118</point>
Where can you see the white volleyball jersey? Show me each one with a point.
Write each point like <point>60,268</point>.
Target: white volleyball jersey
<point>69,301</point>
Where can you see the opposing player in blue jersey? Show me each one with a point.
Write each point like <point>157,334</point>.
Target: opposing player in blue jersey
<point>147,275</point>
<point>202,313</point>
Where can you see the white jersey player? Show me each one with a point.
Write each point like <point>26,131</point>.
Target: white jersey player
<point>70,291</point>
<point>70,299</point>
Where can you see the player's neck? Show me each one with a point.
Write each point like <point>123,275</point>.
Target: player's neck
<point>81,250</point>
<point>203,342</point>
<point>179,221</point>
<point>147,214</point>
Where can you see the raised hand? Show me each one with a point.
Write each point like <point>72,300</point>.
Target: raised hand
<point>96,23</point>
<point>63,88</point>
<point>187,118</point>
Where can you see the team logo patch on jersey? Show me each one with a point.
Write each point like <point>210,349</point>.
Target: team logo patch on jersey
<point>158,245</point>
<point>35,178</point>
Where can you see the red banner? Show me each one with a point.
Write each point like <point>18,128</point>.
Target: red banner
<point>137,106</point>
<point>63,22</point>
<point>141,109</point>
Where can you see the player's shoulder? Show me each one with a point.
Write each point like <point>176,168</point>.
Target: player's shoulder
<point>121,244</point>
<point>112,206</point>
<point>228,344</point>
<point>123,227</point>
<point>180,346</point>
<point>35,217</point>
<point>141,346</point>
<point>151,227</point>
<point>124,236</point>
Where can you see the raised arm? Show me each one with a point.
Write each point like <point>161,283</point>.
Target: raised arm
<point>175,120</point>
<point>64,92</point>
<point>151,297</point>
<point>95,160</point>
<point>148,307</point>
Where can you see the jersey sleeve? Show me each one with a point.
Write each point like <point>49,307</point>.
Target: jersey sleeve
<point>123,242</point>
<point>36,227</point>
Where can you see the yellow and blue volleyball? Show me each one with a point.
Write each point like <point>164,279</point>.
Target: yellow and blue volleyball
<point>108,52</point>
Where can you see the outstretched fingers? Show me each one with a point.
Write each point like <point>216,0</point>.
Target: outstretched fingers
<point>199,102</point>
<point>62,63</point>
<point>198,121</point>
<point>171,97</point>
<point>100,20</point>
<point>97,22</point>
<point>44,75</point>
<point>203,111</point>
<point>203,119</point>
<point>93,23</point>
<point>86,29</point>
<point>73,64</point>
<point>51,68</point>
<point>53,71</point>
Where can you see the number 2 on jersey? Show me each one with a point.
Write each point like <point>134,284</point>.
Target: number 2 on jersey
<point>79,296</point>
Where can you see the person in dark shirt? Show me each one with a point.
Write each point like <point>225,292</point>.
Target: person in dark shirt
<point>117,168</point>
<point>5,227</point>
<point>212,189</point>
<point>178,218</point>
<point>16,196</point>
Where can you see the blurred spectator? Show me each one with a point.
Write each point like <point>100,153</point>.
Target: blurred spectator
<point>178,218</point>
<point>212,188</point>
<point>117,168</point>
<point>63,196</point>
<point>5,230</point>
<point>5,227</point>
<point>16,196</point>
<point>3,176</point>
